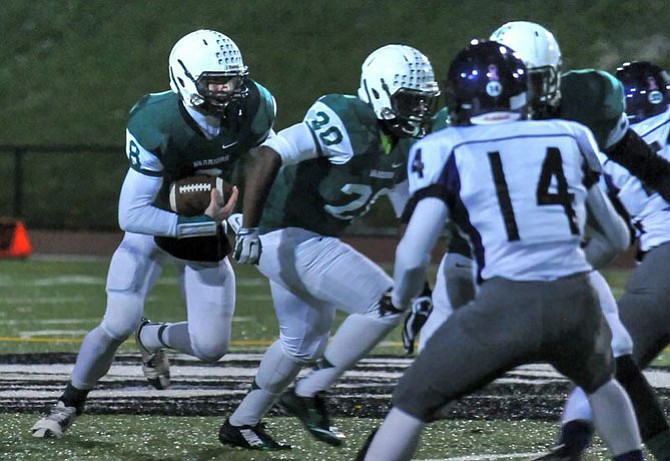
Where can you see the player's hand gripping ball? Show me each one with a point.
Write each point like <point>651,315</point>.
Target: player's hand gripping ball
<point>190,196</point>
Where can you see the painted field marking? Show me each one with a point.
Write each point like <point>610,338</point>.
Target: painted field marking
<point>488,457</point>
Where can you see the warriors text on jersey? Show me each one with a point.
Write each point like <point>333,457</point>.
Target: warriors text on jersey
<point>486,179</point>
<point>357,163</point>
<point>163,139</point>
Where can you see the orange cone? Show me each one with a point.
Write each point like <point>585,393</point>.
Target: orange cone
<point>14,240</point>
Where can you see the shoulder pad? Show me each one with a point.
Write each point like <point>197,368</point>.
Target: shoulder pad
<point>350,109</point>
<point>263,110</point>
<point>151,116</point>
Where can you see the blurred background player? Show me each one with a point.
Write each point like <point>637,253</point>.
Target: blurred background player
<point>212,116</point>
<point>537,302</point>
<point>644,307</point>
<point>595,99</point>
<point>347,152</point>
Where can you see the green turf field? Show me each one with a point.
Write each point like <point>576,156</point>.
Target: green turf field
<point>47,305</point>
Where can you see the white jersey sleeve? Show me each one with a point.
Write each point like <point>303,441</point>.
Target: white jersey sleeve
<point>321,134</point>
<point>136,210</point>
<point>293,144</point>
<point>649,212</point>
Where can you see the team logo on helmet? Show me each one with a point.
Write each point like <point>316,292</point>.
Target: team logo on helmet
<point>493,87</point>
<point>655,96</point>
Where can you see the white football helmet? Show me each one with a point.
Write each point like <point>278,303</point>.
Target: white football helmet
<point>204,57</point>
<point>539,50</point>
<point>398,82</point>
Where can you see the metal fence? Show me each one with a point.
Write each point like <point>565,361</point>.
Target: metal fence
<point>62,186</point>
<point>76,187</point>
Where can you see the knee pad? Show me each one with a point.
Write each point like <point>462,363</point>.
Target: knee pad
<point>305,353</point>
<point>209,351</point>
<point>123,313</point>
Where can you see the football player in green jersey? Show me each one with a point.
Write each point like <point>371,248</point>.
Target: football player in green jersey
<point>213,114</point>
<point>346,153</point>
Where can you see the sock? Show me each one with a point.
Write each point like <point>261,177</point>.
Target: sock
<point>156,336</point>
<point>650,417</point>
<point>94,358</point>
<point>73,397</point>
<point>614,418</point>
<point>275,372</point>
<point>397,438</point>
<point>357,335</point>
<point>576,435</point>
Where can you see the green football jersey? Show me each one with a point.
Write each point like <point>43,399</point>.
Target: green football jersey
<point>356,164</point>
<point>163,139</point>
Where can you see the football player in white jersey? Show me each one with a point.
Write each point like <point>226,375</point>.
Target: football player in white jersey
<point>213,114</point>
<point>553,95</point>
<point>347,152</point>
<point>522,190</point>
<point>644,308</point>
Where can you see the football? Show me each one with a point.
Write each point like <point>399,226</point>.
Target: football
<point>190,195</point>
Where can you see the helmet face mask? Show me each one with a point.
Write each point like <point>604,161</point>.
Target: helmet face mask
<point>486,83</point>
<point>539,50</point>
<point>207,72</point>
<point>646,88</point>
<point>398,83</point>
<point>214,99</point>
<point>413,110</point>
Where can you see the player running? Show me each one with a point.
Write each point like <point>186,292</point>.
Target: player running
<point>214,114</point>
<point>348,152</point>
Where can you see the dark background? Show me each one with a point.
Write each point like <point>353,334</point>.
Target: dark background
<point>71,69</point>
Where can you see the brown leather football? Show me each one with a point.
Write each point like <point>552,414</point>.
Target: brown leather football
<point>190,195</point>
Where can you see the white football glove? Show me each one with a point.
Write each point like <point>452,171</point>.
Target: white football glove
<point>235,221</point>
<point>421,308</point>
<point>247,246</point>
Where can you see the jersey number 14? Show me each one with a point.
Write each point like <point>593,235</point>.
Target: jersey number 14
<point>552,168</point>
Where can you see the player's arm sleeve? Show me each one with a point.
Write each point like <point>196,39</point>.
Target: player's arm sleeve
<point>636,156</point>
<point>608,232</point>
<point>399,196</point>
<point>294,144</point>
<point>138,214</point>
<point>414,250</point>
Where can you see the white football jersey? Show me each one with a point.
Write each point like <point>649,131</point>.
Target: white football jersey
<point>516,190</point>
<point>649,212</point>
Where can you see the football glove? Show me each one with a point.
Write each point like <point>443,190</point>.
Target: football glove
<point>421,308</point>
<point>247,245</point>
<point>235,222</point>
<point>386,304</point>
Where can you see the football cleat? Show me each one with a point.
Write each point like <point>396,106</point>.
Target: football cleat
<point>560,453</point>
<point>155,364</point>
<point>54,424</point>
<point>313,414</point>
<point>249,437</point>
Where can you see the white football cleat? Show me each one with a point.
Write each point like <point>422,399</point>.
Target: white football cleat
<point>55,424</point>
<point>155,364</point>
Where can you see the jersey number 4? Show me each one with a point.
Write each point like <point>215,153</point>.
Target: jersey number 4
<point>552,168</point>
